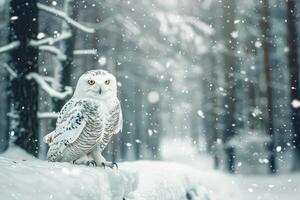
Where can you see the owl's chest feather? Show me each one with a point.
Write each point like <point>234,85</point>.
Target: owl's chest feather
<point>101,119</point>
<point>95,120</point>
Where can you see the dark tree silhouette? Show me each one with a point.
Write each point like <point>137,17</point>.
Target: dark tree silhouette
<point>265,28</point>
<point>23,60</point>
<point>230,65</point>
<point>294,76</point>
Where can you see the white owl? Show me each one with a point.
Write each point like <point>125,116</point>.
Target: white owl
<point>87,121</point>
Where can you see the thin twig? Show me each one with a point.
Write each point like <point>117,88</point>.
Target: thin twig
<point>47,115</point>
<point>85,52</point>
<point>50,40</point>
<point>54,50</point>
<point>10,70</point>
<point>9,47</point>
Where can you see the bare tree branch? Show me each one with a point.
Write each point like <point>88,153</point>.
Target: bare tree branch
<point>50,40</point>
<point>85,52</point>
<point>10,70</point>
<point>52,49</point>
<point>13,115</point>
<point>47,88</point>
<point>105,24</point>
<point>9,46</point>
<point>65,17</point>
<point>47,115</point>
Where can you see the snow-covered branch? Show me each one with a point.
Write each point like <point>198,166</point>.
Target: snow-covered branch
<point>53,50</point>
<point>105,24</point>
<point>85,52</point>
<point>9,46</point>
<point>65,17</point>
<point>13,115</point>
<point>12,73</point>
<point>129,24</point>
<point>51,40</point>
<point>46,87</point>
<point>200,25</point>
<point>47,115</point>
<point>49,79</point>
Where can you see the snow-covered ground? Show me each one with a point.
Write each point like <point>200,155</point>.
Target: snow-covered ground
<point>224,186</point>
<point>24,177</point>
<point>183,175</point>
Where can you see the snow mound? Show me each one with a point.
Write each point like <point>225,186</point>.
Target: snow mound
<point>24,177</point>
<point>42,180</point>
<point>166,180</point>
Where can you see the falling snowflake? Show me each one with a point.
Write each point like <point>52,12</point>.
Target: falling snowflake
<point>258,44</point>
<point>234,34</point>
<point>102,60</point>
<point>153,97</point>
<point>200,114</point>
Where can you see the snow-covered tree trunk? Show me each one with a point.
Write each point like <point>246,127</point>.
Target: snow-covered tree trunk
<point>230,65</point>
<point>138,122</point>
<point>64,70</point>
<point>294,76</point>
<point>4,136</point>
<point>23,60</point>
<point>214,113</point>
<point>265,28</point>
<point>155,126</point>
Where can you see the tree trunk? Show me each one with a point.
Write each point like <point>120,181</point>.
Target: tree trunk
<point>265,27</point>
<point>64,71</point>
<point>138,121</point>
<point>230,66</point>
<point>154,125</point>
<point>294,77</point>
<point>23,60</point>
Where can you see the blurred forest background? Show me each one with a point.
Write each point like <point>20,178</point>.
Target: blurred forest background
<point>222,74</point>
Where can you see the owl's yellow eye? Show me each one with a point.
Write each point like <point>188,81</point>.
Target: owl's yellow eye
<point>91,82</point>
<point>107,82</point>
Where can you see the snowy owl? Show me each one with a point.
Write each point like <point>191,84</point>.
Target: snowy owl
<point>87,121</point>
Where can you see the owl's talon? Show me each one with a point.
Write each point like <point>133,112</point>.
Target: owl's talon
<point>114,164</point>
<point>103,165</point>
<point>92,162</point>
<point>111,165</point>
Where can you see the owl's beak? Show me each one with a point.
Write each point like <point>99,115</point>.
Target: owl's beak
<point>100,91</point>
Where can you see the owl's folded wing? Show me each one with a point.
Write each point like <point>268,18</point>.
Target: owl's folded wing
<point>66,132</point>
<point>71,128</point>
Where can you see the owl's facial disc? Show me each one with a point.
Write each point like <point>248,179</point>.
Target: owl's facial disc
<point>100,86</point>
<point>103,87</point>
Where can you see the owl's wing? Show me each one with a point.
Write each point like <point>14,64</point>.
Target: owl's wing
<point>62,119</point>
<point>67,131</point>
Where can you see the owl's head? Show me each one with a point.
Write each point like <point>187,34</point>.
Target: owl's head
<point>96,84</point>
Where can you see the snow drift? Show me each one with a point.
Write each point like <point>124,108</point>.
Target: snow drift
<point>24,177</point>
